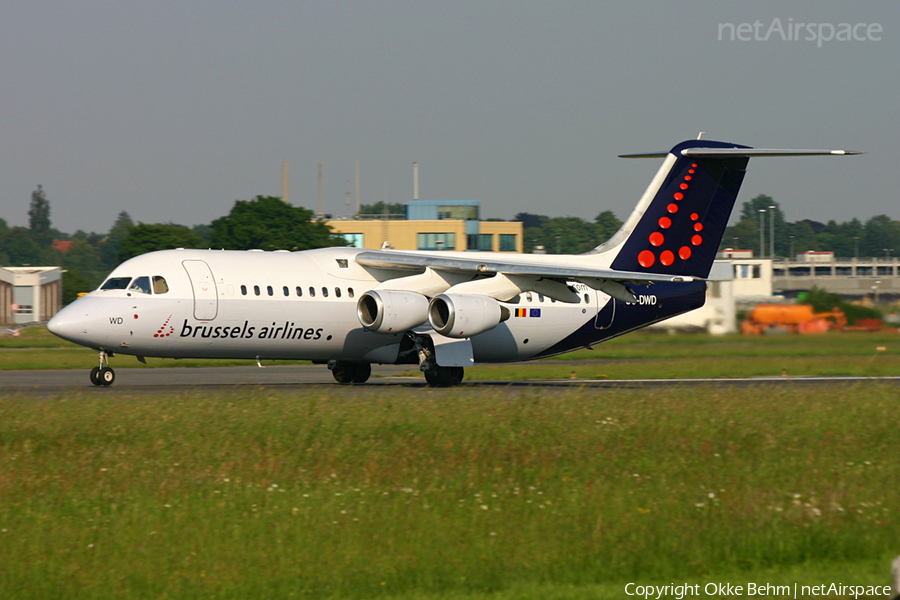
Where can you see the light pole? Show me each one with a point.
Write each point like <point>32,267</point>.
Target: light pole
<point>856,247</point>
<point>772,232</point>
<point>791,255</point>
<point>762,233</point>
<point>887,252</point>
<point>557,244</point>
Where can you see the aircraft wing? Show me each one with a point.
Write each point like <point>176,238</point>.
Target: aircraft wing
<point>481,266</point>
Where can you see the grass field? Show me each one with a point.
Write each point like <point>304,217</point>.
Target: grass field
<point>464,493</point>
<point>637,355</point>
<point>472,493</point>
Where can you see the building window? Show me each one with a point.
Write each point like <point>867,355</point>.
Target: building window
<point>480,241</point>
<point>507,242</point>
<point>355,240</point>
<point>437,241</point>
<point>458,213</point>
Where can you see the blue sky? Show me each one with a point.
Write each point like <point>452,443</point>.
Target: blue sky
<point>172,111</point>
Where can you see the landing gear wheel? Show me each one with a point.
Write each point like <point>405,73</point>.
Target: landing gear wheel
<point>107,376</point>
<point>361,372</point>
<point>347,372</point>
<point>95,375</point>
<point>444,376</point>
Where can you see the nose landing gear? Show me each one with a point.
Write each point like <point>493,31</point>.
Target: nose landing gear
<point>103,375</point>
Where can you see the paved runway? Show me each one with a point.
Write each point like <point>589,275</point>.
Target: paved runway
<point>143,380</point>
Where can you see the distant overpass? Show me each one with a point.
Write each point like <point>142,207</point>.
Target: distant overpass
<point>878,278</point>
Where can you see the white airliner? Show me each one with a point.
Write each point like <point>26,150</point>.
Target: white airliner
<point>443,311</point>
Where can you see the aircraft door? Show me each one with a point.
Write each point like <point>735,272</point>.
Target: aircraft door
<point>206,302</point>
<point>605,314</point>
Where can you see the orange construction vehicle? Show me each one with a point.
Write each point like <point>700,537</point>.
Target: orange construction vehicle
<point>793,318</point>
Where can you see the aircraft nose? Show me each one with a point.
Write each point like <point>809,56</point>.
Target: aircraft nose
<point>74,322</point>
<point>64,324</point>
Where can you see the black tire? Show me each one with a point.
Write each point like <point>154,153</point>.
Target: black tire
<point>445,376</point>
<point>342,373</point>
<point>95,375</point>
<point>361,372</point>
<point>347,372</point>
<point>107,377</point>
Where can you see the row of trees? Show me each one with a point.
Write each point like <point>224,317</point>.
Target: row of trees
<point>265,222</point>
<point>878,236</point>
<point>269,224</point>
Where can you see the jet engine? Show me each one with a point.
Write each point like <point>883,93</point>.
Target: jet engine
<point>384,311</point>
<point>465,315</point>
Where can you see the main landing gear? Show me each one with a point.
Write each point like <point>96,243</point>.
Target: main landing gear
<point>103,375</point>
<point>350,372</point>
<point>444,376</point>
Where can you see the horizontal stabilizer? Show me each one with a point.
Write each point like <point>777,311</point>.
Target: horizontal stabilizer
<point>747,152</point>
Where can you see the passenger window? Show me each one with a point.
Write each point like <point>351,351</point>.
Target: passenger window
<point>350,292</point>
<point>586,299</point>
<point>337,292</point>
<point>159,285</point>
<point>540,297</point>
<point>324,292</point>
<point>528,297</point>
<point>116,283</point>
<point>287,292</point>
<point>299,291</point>
<point>312,292</point>
<point>256,290</point>
<point>244,290</point>
<point>270,290</point>
<point>140,284</point>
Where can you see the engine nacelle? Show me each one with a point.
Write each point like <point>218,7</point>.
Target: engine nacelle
<point>465,315</point>
<point>384,311</point>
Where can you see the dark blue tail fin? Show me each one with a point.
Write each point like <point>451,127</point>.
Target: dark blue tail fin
<point>679,230</point>
<point>678,224</point>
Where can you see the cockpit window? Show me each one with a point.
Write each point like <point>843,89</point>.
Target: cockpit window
<point>140,284</point>
<point>159,285</point>
<point>116,283</point>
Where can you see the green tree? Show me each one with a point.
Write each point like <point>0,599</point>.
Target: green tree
<point>530,221</point>
<point>73,284</point>
<point>39,218</point>
<point>21,249</point>
<point>84,259</point>
<point>606,224</point>
<point>145,238</point>
<point>881,235</point>
<point>267,223</point>
<point>112,244</point>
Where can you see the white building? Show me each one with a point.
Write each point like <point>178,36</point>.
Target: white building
<point>29,294</point>
<point>718,315</point>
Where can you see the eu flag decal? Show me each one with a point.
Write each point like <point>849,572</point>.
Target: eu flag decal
<point>535,312</point>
